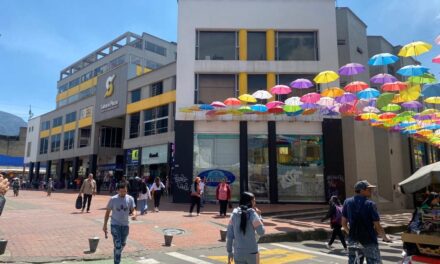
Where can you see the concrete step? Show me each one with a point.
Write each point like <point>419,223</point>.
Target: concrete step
<point>311,214</point>
<point>288,212</point>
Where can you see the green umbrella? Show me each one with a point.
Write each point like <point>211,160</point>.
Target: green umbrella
<point>425,78</point>
<point>391,108</point>
<point>384,99</point>
<point>245,109</point>
<point>291,108</point>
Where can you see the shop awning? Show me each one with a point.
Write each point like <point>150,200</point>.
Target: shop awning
<point>422,178</point>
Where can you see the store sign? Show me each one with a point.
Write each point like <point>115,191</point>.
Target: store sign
<point>110,105</point>
<point>155,154</point>
<point>109,85</point>
<point>132,156</point>
<point>214,177</point>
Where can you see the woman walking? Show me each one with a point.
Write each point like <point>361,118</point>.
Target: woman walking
<point>157,189</point>
<point>223,195</point>
<point>335,215</point>
<point>241,242</point>
<point>49,187</point>
<point>195,196</point>
<point>144,195</point>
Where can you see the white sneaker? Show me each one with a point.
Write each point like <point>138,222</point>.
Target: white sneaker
<point>329,247</point>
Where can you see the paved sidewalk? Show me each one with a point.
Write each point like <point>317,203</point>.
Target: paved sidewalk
<point>50,229</point>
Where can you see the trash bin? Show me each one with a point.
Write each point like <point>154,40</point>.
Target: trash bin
<point>3,244</point>
<point>168,240</point>
<point>93,243</point>
<point>223,234</point>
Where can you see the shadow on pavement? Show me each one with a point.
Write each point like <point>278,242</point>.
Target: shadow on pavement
<point>392,259</point>
<point>314,245</point>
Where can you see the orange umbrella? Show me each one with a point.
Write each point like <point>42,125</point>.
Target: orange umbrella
<point>387,115</point>
<point>332,92</point>
<point>394,86</point>
<point>231,101</point>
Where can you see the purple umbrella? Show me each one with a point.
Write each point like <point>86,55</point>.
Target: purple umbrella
<point>412,105</point>
<point>383,78</point>
<point>301,84</point>
<point>309,106</point>
<point>351,69</point>
<point>422,117</point>
<point>346,98</point>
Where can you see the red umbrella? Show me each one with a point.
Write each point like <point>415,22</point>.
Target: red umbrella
<point>387,115</point>
<point>356,86</point>
<point>276,110</point>
<point>231,101</point>
<point>394,86</point>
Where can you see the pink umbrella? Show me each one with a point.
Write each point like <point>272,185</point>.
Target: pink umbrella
<point>326,101</point>
<point>274,104</point>
<point>436,59</point>
<point>280,89</point>
<point>218,104</point>
<point>310,98</point>
<point>301,84</point>
<point>437,40</point>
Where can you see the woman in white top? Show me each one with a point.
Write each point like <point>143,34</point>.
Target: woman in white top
<point>157,189</point>
<point>144,195</point>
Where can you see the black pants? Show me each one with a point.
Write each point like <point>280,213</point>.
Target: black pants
<point>87,198</point>
<point>135,197</point>
<point>195,200</point>
<point>157,195</point>
<point>223,206</point>
<point>338,232</point>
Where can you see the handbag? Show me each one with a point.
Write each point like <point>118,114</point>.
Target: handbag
<point>79,201</point>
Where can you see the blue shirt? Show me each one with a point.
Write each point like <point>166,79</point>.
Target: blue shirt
<point>367,209</point>
<point>121,208</point>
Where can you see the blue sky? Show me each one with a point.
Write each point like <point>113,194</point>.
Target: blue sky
<point>39,38</point>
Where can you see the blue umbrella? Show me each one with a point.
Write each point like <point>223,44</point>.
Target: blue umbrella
<point>431,90</point>
<point>206,107</point>
<point>382,59</point>
<point>412,70</point>
<point>259,108</point>
<point>297,113</point>
<point>368,93</point>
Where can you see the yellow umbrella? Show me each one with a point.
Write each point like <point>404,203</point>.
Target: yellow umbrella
<point>326,77</point>
<point>247,98</point>
<point>429,111</point>
<point>433,100</point>
<point>333,92</point>
<point>369,116</point>
<point>415,49</point>
<point>413,127</point>
<point>185,110</point>
<point>411,93</point>
<point>397,99</point>
<point>425,132</point>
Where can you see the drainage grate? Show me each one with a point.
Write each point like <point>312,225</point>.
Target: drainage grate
<point>173,231</point>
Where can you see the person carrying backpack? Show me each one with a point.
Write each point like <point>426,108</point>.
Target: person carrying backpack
<point>335,215</point>
<point>361,221</point>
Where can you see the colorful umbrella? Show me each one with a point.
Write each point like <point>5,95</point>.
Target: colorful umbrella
<point>387,115</point>
<point>293,101</point>
<point>384,99</point>
<point>383,78</point>
<point>309,111</point>
<point>276,110</point>
<point>356,86</point>
<point>346,98</point>
<point>436,59</point>
<point>414,49</point>
<point>394,86</point>
<point>309,106</point>
<point>429,111</point>
<point>412,70</point>
<point>206,107</point>
<point>273,104</point>
<point>351,69</point>
<point>412,105</point>
<point>437,40</point>
<point>280,89</point>
<point>326,101</point>
<point>369,116</point>
<point>326,77</point>
<point>292,108</point>
<point>411,93</point>
<point>245,109</point>
<point>232,101</point>
<point>332,92</point>
<point>347,109</point>
<point>397,99</point>
<point>433,100</point>
<point>370,109</point>
<point>301,84</point>
<point>310,98</point>
<point>422,79</point>
<point>382,59</point>
<point>218,104</point>
<point>368,93</point>
<point>391,108</point>
<point>259,108</point>
<point>247,98</point>
<point>262,94</point>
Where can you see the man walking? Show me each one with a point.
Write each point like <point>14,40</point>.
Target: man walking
<point>88,188</point>
<point>361,221</point>
<point>122,206</point>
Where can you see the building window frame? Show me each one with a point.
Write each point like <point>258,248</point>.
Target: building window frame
<point>278,56</point>
<point>58,121</point>
<point>198,47</point>
<point>156,118</point>
<point>69,140</point>
<point>44,145</point>
<point>55,143</point>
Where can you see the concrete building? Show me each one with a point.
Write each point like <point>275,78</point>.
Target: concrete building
<point>12,144</point>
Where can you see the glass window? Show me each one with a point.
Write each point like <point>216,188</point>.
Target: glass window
<point>216,45</point>
<point>74,82</point>
<point>71,117</point>
<point>214,87</point>
<point>297,46</point>
<point>134,125</point>
<point>256,82</point>
<point>300,168</point>
<point>55,142</point>
<point>57,121</point>
<point>69,138</point>
<point>45,125</point>
<point>156,89</point>
<point>84,137</point>
<point>156,120</point>
<point>258,166</point>
<point>256,42</point>
<point>286,79</point>
<point>155,48</point>
<point>419,154</point>
<point>44,145</point>
<point>116,62</point>
<point>63,88</point>
<point>111,137</point>
<point>136,95</point>
<point>217,156</point>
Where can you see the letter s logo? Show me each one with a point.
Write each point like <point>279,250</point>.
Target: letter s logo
<point>109,85</point>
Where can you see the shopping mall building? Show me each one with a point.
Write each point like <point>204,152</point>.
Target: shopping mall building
<point>123,108</point>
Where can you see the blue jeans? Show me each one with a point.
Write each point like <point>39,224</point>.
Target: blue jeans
<point>120,234</point>
<point>143,206</point>
<point>246,259</point>
<point>357,253</point>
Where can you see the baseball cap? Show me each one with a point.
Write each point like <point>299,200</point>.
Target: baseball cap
<point>362,185</point>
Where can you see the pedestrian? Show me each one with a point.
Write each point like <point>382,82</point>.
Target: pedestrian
<point>49,187</point>
<point>195,196</point>
<point>335,215</point>
<point>223,195</point>
<point>121,206</point>
<point>16,186</point>
<point>360,219</point>
<point>157,189</point>
<point>4,187</point>
<point>241,243</point>
<point>88,188</point>
<point>202,192</point>
<point>134,187</point>
<point>144,196</point>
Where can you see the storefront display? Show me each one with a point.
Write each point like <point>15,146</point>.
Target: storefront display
<point>258,166</point>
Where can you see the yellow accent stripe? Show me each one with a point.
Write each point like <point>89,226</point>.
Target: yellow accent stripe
<point>78,88</point>
<point>152,102</point>
<point>141,70</point>
<point>85,122</point>
<point>271,82</point>
<point>242,43</point>
<point>56,130</point>
<point>270,44</point>
<point>242,83</point>
<point>69,126</point>
<point>44,133</point>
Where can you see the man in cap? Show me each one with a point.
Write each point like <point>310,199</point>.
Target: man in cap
<point>360,219</point>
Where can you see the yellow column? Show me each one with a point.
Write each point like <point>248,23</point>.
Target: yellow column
<point>242,83</point>
<point>271,82</point>
<point>270,45</point>
<point>242,43</point>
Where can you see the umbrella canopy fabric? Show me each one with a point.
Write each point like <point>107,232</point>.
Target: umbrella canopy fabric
<point>368,93</point>
<point>310,98</point>
<point>247,98</point>
<point>384,99</point>
<point>412,105</point>
<point>326,101</point>
<point>433,100</point>
<point>436,59</point>
<point>245,109</point>
<point>414,49</point>
<point>382,59</point>
<point>231,101</point>
<point>356,86</point>
<point>422,178</point>
<point>276,110</point>
<point>218,104</point>
<point>412,70</point>
<point>326,77</point>
<point>391,108</point>
<point>292,108</point>
<point>346,98</point>
<point>295,100</point>
<point>383,78</point>
<point>411,93</point>
<point>273,104</point>
<point>259,108</point>
<point>262,94</point>
<point>351,69</point>
<point>301,84</point>
<point>280,89</point>
<point>370,109</point>
<point>394,86</point>
<point>332,92</point>
<point>206,107</point>
<point>422,79</point>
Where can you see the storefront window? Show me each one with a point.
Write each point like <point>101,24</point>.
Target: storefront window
<point>258,166</point>
<point>419,154</point>
<point>300,168</point>
<point>217,157</point>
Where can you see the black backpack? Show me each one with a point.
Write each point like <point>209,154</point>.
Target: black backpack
<point>359,229</point>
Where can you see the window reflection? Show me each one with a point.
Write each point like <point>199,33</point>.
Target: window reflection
<point>258,166</point>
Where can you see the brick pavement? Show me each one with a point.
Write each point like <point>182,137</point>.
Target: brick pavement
<point>42,229</point>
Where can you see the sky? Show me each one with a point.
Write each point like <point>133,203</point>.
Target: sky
<point>40,38</point>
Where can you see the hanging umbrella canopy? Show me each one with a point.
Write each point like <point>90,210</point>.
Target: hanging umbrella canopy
<point>437,40</point>
<point>332,92</point>
<point>274,104</point>
<point>326,101</point>
<point>276,110</point>
<point>231,101</point>
<point>326,77</point>
<point>369,116</point>
<point>245,109</point>
<point>394,86</point>
<point>412,70</point>
<point>391,108</point>
<point>412,105</point>
<point>292,108</point>
<point>429,111</point>
<point>384,99</point>
<point>206,107</point>
<point>351,69</point>
<point>280,89</point>
<point>309,106</point>
<point>346,98</point>
<point>436,59</point>
<point>259,108</point>
<point>397,99</point>
<point>414,49</point>
<point>411,93</point>
<point>382,59</point>
<point>309,111</point>
<point>218,104</point>
<point>295,100</point>
<point>262,94</point>
<point>310,98</point>
<point>247,98</point>
<point>370,109</point>
<point>387,115</point>
<point>301,84</point>
<point>431,90</point>
<point>422,79</point>
<point>383,78</point>
<point>356,86</point>
<point>433,100</point>
<point>422,178</point>
<point>368,93</point>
